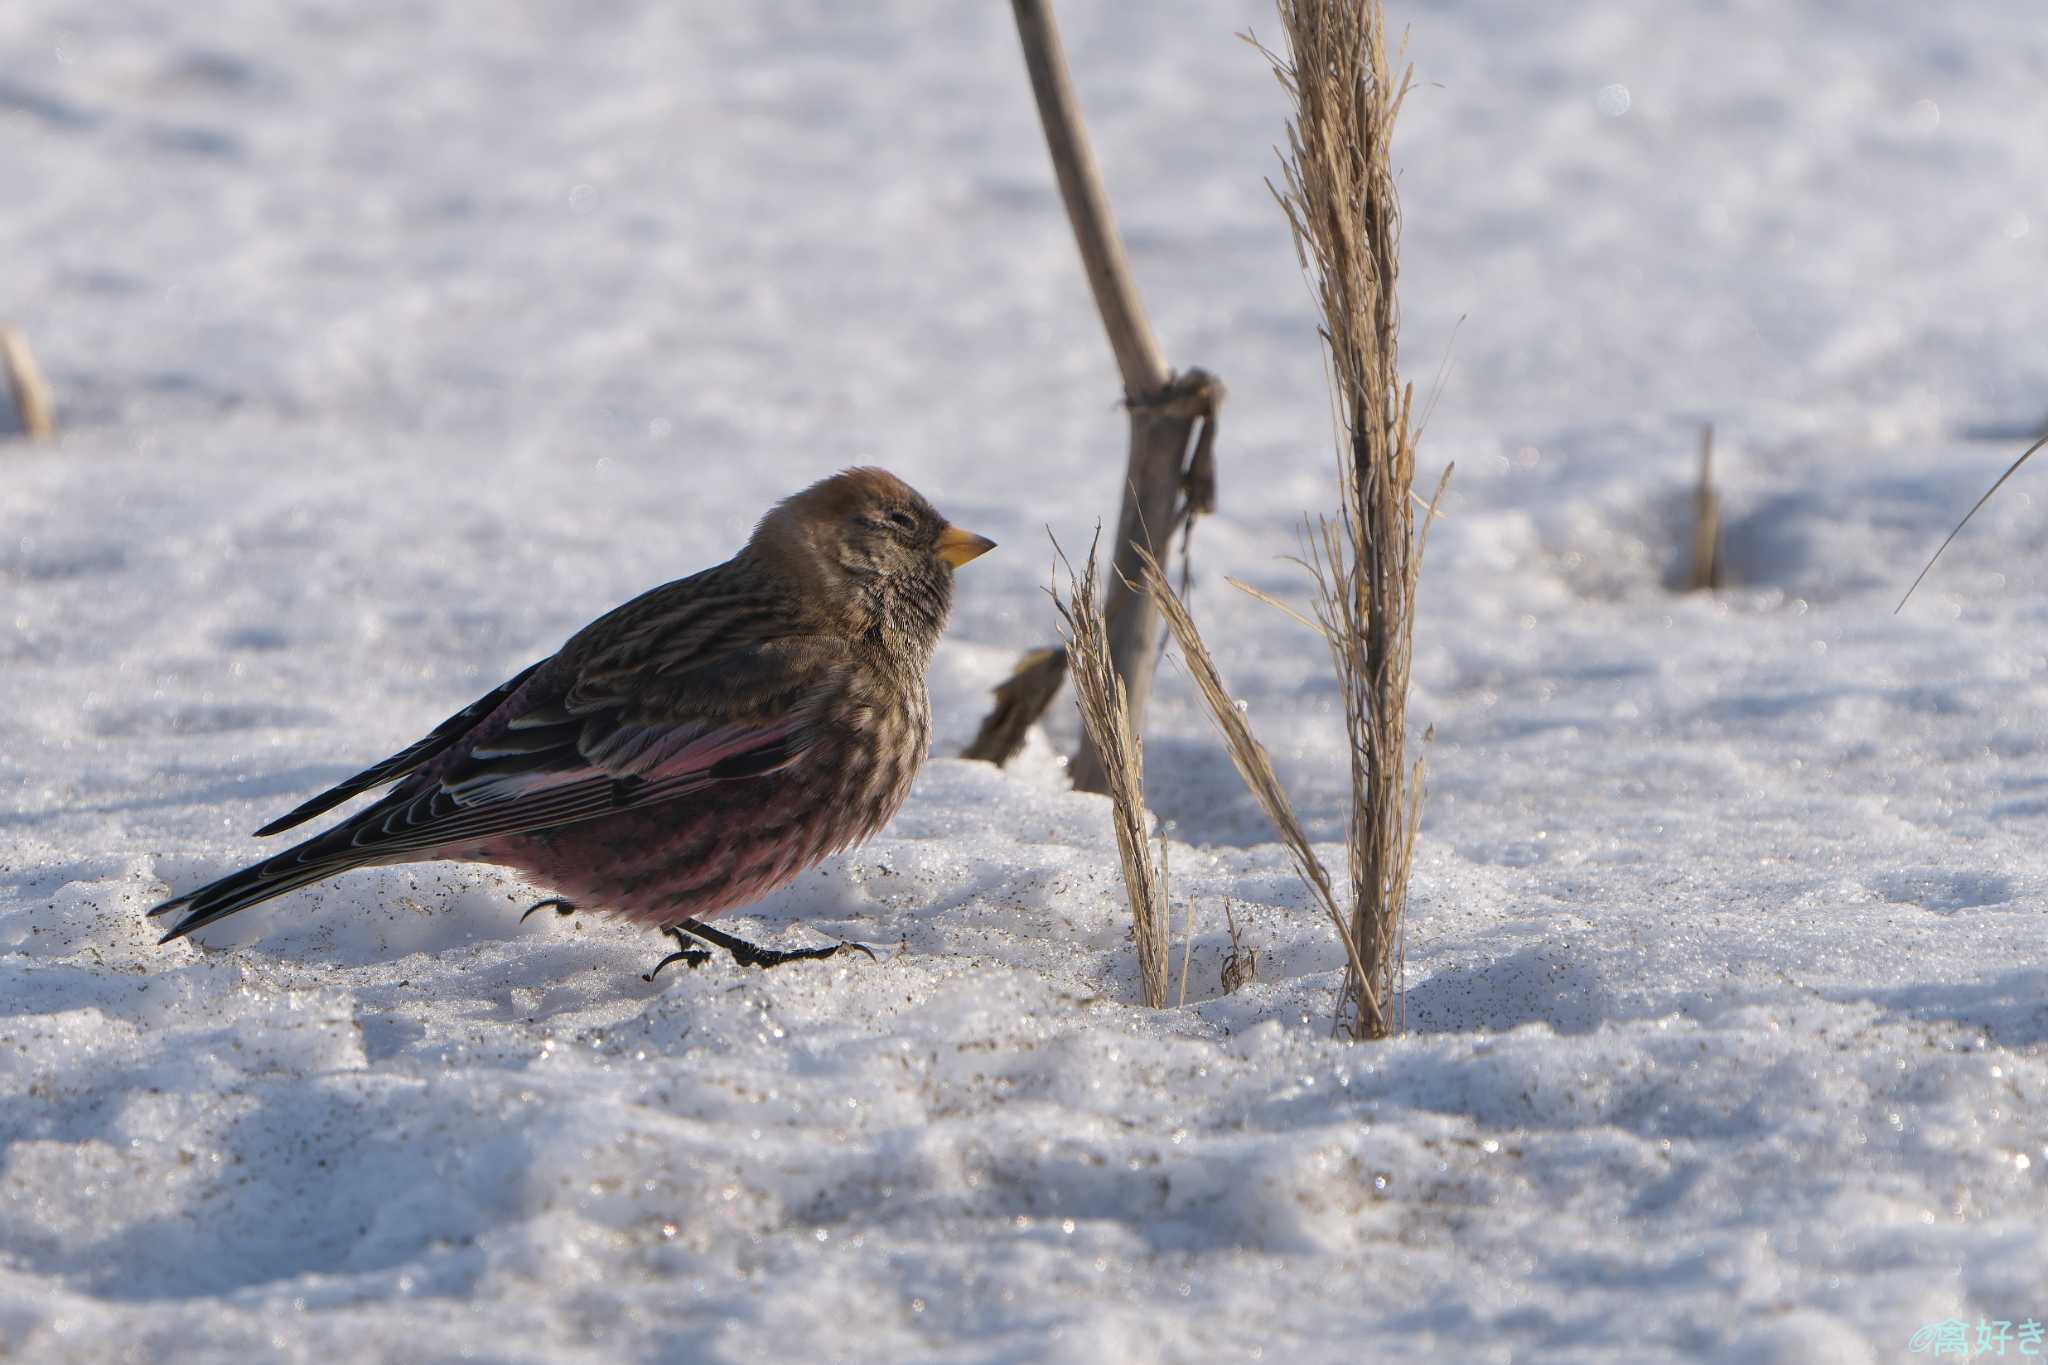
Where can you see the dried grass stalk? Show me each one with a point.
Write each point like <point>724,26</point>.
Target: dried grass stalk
<point>33,405</point>
<point>1241,964</point>
<point>1975,508</point>
<point>1255,766</point>
<point>1340,201</point>
<point>1105,713</point>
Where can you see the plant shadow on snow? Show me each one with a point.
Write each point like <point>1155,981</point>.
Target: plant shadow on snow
<point>1528,987</point>
<point>1192,784</point>
<point>56,561</point>
<point>25,885</point>
<point>159,718</point>
<point>1944,892</point>
<point>222,787</point>
<point>304,1157</point>
<point>1815,543</point>
<point>299,1156</point>
<point>2009,1009</point>
<point>2015,432</point>
<point>1770,545</point>
<point>55,987</point>
<point>1777,543</point>
<point>1647,550</point>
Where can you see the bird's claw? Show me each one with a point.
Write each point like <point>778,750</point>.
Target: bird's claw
<point>557,904</point>
<point>689,957</point>
<point>685,953</point>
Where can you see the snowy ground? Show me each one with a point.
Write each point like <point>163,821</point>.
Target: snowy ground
<point>394,342</point>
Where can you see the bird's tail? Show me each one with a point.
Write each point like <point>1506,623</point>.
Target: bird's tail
<point>318,858</point>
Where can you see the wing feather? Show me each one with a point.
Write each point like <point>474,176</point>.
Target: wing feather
<point>749,712</point>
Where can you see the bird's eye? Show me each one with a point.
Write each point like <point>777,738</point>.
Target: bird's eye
<point>902,521</point>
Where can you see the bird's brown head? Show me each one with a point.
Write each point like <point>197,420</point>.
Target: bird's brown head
<point>872,557</point>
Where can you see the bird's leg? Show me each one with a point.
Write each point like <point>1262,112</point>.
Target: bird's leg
<point>748,955</point>
<point>557,904</point>
<point>684,953</point>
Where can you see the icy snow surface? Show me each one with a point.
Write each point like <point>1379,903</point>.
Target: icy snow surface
<point>394,342</point>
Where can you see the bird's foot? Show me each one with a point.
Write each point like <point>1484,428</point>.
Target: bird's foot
<point>686,954</point>
<point>555,903</point>
<point>748,954</point>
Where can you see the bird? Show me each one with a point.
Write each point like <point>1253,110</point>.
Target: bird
<point>687,752</point>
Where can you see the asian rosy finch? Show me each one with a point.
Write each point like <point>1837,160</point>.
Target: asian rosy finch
<point>688,752</point>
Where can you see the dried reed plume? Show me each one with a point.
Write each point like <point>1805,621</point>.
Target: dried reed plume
<point>1105,712</point>
<point>1340,201</point>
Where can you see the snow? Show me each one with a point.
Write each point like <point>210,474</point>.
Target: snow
<point>392,344</point>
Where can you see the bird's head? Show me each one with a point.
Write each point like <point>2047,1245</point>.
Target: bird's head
<point>870,555</point>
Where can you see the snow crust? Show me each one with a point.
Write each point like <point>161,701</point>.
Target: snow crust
<point>394,343</point>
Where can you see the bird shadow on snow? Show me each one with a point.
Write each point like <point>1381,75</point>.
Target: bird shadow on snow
<point>377,916</point>
<point>991,911</point>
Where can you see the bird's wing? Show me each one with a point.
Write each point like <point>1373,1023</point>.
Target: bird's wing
<point>612,741</point>
<point>442,738</point>
<point>691,620</point>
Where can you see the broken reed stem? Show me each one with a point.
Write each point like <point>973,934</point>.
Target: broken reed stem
<point>1255,766</point>
<point>1341,204</point>
<point>1138,357</point>
<point>1170,473</point>
<point>31,392</point>
<point>1021,699</point>
<point>1105,714</point>
<point>1706,526</point>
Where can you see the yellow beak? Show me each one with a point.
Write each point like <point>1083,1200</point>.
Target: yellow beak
<point>956,546</point>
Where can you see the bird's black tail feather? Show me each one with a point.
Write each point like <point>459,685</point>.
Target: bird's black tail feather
<point>316,859</point>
